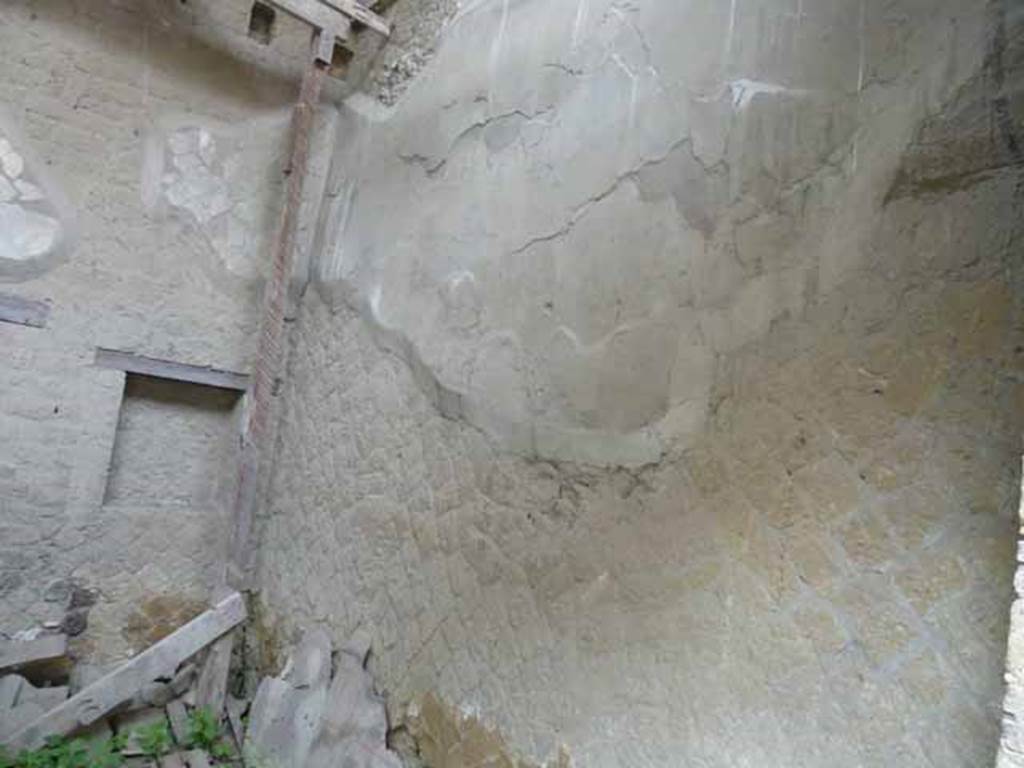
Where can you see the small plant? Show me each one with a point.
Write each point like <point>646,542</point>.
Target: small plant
<point>154,740</point>
<point>203,729</point>
<point>107,754</point>
<point>63,753</point>
<point>222,750</point>
<point>69,754</point>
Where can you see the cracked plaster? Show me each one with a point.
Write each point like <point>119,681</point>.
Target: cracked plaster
<point>654,404</point>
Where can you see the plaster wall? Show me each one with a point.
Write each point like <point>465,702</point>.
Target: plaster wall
<point>154,133</point>
<point>659,401</point>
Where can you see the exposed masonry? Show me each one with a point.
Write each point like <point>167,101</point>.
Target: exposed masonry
<point>656,398</point>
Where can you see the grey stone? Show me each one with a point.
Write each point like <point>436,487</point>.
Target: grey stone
<point>10,687</point>
<point>285,714</point>
<point>59,591</point>
<point>75,622</point>
<point>43,650</point>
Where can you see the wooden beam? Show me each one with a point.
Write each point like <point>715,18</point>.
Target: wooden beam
<point>165,369</point>
<point>212,687</point>
<point>360,13</point>
<point>96,701</point>
<point>333,16</point>
<point>270,352</point>
<point>14,309</point>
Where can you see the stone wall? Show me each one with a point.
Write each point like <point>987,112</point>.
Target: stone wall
<point>660,399</point>
<point>151,134</point>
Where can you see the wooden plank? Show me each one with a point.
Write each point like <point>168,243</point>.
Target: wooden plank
<point>117,688</point>
<point>235,708</point>
<point>14,309</point>
<point>20,654</point>
<point>213,679</point>
<point>178,716</point>
<point>165,369</point>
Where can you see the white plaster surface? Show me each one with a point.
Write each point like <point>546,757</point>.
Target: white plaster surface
<point>25,234</point>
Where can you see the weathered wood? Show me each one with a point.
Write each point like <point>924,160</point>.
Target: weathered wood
<point>213,679</point>
<point>270,351</point>
<point>331,15</point>
<point>21,654</point>
<point>165,369</point>
<point>14,309</point>
<point>178,716</point>
<point>235,709</point>
<point>361,14</point>
<point>118,687</point>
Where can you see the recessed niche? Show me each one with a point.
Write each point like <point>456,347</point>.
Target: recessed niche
<point>176,444</point>
<point>261,23</point>
<point>341,57</point>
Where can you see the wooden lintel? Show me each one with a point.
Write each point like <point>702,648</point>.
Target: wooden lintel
<point>165,369</point>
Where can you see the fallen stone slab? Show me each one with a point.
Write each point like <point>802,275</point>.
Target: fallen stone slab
<point>27,655</point>
<point>120,686</point>
<point>10,687</point>
<point>354,726</point>
<point>285,715</point>
<point>28,703</point>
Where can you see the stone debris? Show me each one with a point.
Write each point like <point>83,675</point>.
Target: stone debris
<point>286,712</point>
<point>305,720</point>
<point>21,655</point>
<point>21,702</point>
<point>151,675</point>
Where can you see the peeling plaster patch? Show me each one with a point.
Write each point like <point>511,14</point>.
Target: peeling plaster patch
<point>208,175</point>
<point>33,230</point>
<point>12,163</point>
<point>743,91</point>
<point>28,192</point>
<point>24,234</point>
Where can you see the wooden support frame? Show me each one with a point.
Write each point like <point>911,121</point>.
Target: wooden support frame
<point>333,20</point>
